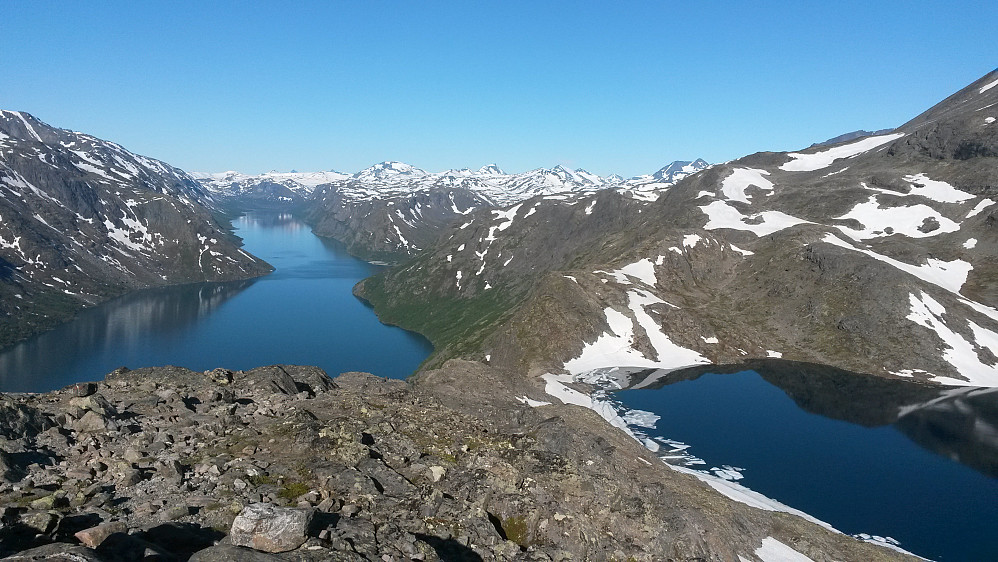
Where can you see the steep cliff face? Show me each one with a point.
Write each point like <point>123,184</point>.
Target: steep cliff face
<point>876,255</point>
<point>82,220</point>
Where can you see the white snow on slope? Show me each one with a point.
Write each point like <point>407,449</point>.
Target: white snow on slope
<point>936,190</point>
<point>720,214</point>
<point>927,312</point>
<point>987,87</point>
<point>615,348</point>
<point>984,204</point>
<point>950,275</point>
<point>823,159</point>
<point>773,550</point>
<point>641,269</point>
<point>970,243</point>
<point>733,187</point>
<point>903,220</point>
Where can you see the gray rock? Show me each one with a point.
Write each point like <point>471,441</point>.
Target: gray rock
<point>91,422</point>
<point>229,553</point>
<point>270,528</point>
<point>40,521</point>
<point>56,552</point>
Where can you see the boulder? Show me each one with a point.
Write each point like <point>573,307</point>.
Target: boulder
<point>269,528</point>
<point>82,389</point>
<point>94,536</point>
<point>94,403</point>
<point>91,422</point>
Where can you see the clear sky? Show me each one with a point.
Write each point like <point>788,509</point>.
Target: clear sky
<point>613,87</point>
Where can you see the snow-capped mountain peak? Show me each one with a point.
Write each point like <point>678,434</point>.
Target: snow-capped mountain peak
<point>389,170</point>
<point>491,170</point>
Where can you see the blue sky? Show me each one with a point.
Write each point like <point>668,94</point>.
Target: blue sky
<point>622,87</point>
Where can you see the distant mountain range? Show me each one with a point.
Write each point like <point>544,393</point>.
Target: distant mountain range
<point>392,211</point>
<point>398,178</point>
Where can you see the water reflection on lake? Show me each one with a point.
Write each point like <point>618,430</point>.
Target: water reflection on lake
<point>303,313</point>
<point>866,455</point>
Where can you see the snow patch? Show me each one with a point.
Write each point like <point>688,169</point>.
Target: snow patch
<point>644,270</point>
<point>905,221</point>
<point>936,190</point>
<point>773,550</point>
<point>721,214</point>
<point>818,160</point>
<point>690,240</point>
<point>983,89</point>
<point>984,204</point>
<point>950,275</point>
<point>927,312</point>
<point>615,348</point>
<point>733,187</point>
<point>532,403</point>
<point>970,243</point>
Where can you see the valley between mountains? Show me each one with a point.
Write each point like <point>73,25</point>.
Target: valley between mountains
<point>873,255</point>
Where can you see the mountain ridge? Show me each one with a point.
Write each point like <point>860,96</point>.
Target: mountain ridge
<point>763,256</point>
<point>84,220</point>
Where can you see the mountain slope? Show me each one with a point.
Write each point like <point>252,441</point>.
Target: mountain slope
<point>83,220</point>
<point>875,255</point>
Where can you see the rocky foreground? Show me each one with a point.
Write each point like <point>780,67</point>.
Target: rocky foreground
<point>284,463</point>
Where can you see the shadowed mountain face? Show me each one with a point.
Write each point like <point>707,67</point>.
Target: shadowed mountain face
<point>84,220</point>
<point>875,255</point>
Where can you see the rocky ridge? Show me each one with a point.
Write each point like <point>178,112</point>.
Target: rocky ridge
<point>283,463</point>
<point>874,255</point>
<point>83,220</point>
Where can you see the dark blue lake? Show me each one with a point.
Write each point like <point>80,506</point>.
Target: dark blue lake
<point>867,456</point>
<point>304,313</point>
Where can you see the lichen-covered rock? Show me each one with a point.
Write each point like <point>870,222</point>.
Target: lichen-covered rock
<point>269,528</point>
